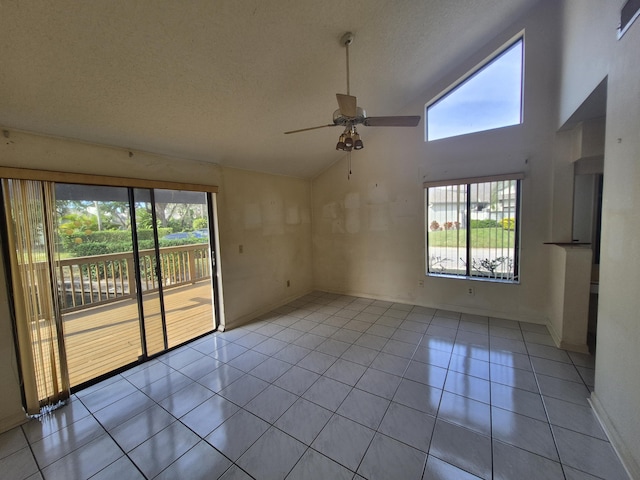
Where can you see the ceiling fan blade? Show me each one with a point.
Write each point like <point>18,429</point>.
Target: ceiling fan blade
<point>310,128</point>
<point>347,105</point>
<point>408,121</point>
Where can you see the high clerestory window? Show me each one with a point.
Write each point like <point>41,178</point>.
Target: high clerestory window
<point>487,98</point>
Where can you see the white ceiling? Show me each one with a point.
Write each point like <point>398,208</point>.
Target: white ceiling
<point>220,81</point>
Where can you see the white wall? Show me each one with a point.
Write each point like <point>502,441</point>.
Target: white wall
<point>368,234</point>
<point>591,51</point>
<point>269,215</point>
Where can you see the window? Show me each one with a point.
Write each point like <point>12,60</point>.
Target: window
<point>491,97</point>
<point>630,11</point>
<point>472,227</point>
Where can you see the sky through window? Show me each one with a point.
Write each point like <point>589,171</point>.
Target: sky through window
<point>489,98</point>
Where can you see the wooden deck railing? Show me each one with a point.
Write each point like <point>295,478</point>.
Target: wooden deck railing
<point>88,281</point>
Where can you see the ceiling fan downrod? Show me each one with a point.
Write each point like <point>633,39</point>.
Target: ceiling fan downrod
<point>346,40</point>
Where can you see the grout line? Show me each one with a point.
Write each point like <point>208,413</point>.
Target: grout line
<point>352,342</point>
<point>491,408</point>
<point>546,411</point>
<point>35,460</point>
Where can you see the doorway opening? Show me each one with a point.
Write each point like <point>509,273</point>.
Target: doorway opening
<point>587,227</point>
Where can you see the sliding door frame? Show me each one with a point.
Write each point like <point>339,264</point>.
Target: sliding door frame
<point>213,248</point>
<point>105,180</point>
<point>157,272</point>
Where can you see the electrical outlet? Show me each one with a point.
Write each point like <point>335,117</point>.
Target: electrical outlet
<point>471,291</point>
<point>421,283</point>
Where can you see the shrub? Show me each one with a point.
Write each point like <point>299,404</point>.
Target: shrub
<point>488,223</point>
<point>200,223</point>
<point>83,244</point>
<point>451,225</point>
<point>90,248</point>
<point>71,239</point>
<point>508,223</point>
<point>181,241</point>
<point>111,236</point>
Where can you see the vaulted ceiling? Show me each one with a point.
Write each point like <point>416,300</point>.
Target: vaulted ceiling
<point>220,81</point>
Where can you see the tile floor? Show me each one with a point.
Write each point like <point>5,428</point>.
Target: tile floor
<point>334,387</point>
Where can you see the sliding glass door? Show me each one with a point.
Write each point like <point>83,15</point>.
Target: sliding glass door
<point>174,265</point>
<point>185,264</point>
<point>96,280</point>
<point>134,277</point>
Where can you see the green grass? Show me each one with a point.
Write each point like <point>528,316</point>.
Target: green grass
<point>480,238</point>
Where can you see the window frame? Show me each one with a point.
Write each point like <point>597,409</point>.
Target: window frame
<point>468,183</point>
<point>520,37</point>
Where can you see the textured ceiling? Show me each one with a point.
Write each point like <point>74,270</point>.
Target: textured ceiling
<point>220,81</point>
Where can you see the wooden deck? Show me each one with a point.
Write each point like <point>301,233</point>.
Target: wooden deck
<point>104,338</point>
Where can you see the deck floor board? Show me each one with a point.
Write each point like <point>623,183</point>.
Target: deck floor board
<point>101,339</point>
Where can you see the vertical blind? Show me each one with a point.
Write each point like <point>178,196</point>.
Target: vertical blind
<point>31,244</point>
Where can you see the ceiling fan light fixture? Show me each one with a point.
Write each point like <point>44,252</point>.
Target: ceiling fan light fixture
<point>341,144</point>
<point>348,142</point>
<point>358,145</point>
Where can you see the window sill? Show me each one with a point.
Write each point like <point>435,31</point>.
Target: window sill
<point>475,279</point>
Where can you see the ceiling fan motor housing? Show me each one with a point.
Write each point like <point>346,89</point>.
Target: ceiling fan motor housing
<point>340,119</point>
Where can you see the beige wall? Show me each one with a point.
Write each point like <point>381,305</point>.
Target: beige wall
<point>269,215</point>
<point>569,296</point>
<point>591,52</point>
<point>368,234</point>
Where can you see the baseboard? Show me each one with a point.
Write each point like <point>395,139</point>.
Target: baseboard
<point>554,335</point>
<point>628,461</point>
<point>572,347</point>
<point>473,310</point>
<point>244,319</point>
<point>7,423</point>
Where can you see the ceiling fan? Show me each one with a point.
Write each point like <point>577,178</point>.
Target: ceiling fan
<point>348,114</point>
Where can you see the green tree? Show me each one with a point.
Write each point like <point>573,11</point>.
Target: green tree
<point>200,223</point>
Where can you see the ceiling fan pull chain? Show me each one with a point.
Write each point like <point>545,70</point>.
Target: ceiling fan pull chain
<point>349,164</point>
